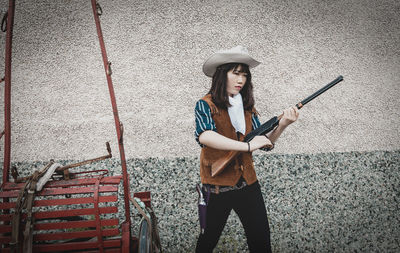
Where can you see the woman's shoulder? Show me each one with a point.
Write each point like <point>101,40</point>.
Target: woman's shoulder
<point>254,112</point>
<point>207,103</point>
<point>207,98</point>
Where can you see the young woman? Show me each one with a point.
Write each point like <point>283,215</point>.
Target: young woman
<point>223,117</point>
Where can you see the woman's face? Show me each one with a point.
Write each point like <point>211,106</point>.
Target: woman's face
<point>236,79</point>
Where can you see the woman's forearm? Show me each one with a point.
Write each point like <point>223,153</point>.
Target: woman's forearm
<point>274,135</point>
<point>215,140</point>
<point>290,115</point>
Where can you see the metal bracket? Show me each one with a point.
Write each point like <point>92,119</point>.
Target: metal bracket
<point>4,22</point>
<point>99,9</point>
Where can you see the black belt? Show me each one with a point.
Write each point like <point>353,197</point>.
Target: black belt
<point>218,188</point>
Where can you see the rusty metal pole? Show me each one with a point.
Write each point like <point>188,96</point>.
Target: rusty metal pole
<point>118,125</point>
<point>7,92</point>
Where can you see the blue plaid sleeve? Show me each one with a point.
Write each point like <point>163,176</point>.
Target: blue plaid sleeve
<point>255,122</point>
<point>204,121</point>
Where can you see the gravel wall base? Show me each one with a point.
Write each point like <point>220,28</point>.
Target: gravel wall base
<point>342,202</point>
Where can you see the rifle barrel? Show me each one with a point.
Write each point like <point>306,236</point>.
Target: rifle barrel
<point>218,166</point>
<point>320,91</point>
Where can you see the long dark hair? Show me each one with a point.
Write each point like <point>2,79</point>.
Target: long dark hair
<point>218,87</point>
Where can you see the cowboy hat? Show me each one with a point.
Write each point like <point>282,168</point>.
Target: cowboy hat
<point>237,54</point>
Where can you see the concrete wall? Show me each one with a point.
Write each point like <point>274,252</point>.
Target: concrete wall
<point>345,142</point>
<point>60,101</point>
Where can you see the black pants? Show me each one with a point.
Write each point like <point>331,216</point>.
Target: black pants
<point>249,205</point>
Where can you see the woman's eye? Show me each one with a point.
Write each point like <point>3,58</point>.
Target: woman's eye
<point>239,73</point>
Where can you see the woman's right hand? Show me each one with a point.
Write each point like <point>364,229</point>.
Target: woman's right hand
<point>260,141</point>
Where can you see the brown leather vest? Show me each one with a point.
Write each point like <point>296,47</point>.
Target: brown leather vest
<point>242,166</point>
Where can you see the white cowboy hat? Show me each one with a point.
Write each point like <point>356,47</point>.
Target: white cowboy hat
<point>237,54</point>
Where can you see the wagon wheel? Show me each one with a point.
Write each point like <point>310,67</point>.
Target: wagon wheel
<point>144,237</point>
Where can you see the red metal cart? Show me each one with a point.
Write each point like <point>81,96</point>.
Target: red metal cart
<point>73,212</point>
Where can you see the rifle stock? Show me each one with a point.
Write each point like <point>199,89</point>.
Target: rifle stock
<point>218,166</point>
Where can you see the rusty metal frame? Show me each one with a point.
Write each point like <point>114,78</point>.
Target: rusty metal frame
<point>97,215</point>
<point>7,92</point>
<point>118,124</point>
<point>7,100</point>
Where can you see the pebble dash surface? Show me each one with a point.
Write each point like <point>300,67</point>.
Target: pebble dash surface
<point>342,202</point>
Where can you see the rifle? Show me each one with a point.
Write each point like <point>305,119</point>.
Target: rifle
<point>219,165</point>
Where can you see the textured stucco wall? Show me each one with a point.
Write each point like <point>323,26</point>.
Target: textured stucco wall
<point>60,100</point>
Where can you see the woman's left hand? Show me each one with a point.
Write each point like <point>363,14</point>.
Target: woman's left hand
<point>290,115</point>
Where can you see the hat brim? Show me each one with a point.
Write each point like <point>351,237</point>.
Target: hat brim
<point>211,64</point>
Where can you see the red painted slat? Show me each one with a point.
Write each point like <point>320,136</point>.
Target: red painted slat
<point>74,224</point>
<point>7,205</point>
<point>67,183</point>
<point>83,181</point>
<point>71,201</point>
<point>74,246</point>
<point>68,201</point>
<point>5,217</point>
<point>73,235</point>
<point>5,228</point>
<point>61,191</point>
<point>63,213</point>
<point>75,212</point>
<point>5,194</point>
<point>144,196</point>
<point>141,194</point>
<point>5,239</point>
<point>76,190</point>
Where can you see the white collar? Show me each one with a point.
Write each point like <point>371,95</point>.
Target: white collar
<point>236,113</point>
